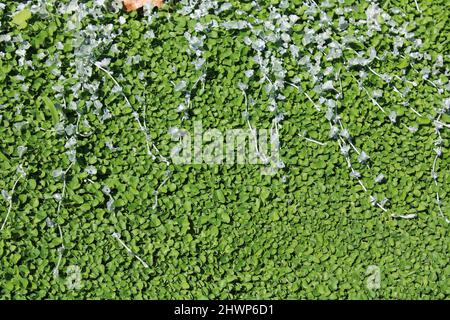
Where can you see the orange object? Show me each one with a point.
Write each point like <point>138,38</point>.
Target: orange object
<point>131,5</point>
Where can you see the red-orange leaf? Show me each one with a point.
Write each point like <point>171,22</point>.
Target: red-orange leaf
<point>131,5</point>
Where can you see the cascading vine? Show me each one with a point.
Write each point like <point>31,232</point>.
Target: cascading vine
<point>333,59</point>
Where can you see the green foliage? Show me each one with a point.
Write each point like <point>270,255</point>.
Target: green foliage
<point>215,231</point>
<point>20,19</point>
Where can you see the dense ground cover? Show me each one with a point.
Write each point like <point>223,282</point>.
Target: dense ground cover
<point>90,97</point>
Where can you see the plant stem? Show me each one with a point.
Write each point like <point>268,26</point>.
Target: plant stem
<point>10,203</point>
